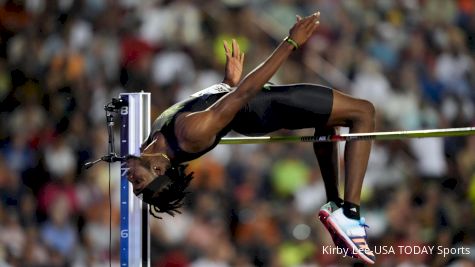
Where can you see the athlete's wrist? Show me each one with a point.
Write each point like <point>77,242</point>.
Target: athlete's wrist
<point>291,42</point>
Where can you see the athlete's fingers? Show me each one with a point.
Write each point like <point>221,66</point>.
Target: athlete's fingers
<point>299,18</point>
<point>226,48</point>
<point>317,17</point>
<point>310,20</point>
<point>314,26</point>
<point>310,25</point>
<point>235,48</point>
<point>242,59</point>
<point>306,23</point>
<point>238,49</point>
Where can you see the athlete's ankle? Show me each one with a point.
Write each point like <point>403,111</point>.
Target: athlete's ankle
<point>351,210</point>
<point>337,200</point>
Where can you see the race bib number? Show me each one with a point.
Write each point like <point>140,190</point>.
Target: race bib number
<point>214,89</point>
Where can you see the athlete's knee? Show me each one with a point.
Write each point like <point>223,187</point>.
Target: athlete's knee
<point>366,112</point>
<point>369,109</point>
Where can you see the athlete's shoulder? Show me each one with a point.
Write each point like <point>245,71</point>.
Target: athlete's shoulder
<point>214,89</point>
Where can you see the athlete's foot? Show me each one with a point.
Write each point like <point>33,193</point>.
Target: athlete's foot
<point>349,231</point>
<point>325,212</point>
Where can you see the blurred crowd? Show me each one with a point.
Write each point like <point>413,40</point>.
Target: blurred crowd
<point>250,205</point>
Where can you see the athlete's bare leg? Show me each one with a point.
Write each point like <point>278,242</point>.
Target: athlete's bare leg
<point>358,115</point>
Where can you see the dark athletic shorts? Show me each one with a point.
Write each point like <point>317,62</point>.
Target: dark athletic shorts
<point>293,106</point>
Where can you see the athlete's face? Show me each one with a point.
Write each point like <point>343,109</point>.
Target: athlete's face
<point>155,161</point>
<point>139,174</point>
<point>158,164</point>
<point>144,169</point>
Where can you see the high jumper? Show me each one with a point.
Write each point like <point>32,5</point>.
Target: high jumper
<point>251,106</point>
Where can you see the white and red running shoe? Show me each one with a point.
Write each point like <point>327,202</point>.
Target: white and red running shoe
<point>347,233</point>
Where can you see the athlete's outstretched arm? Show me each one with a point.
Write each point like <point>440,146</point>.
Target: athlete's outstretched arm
<point>198,129</point>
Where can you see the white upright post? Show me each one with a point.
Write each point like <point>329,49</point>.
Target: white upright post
<point>134,218</point>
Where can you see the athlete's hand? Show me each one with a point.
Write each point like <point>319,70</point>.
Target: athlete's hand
<point>234,63</point>
<point>304,28</point>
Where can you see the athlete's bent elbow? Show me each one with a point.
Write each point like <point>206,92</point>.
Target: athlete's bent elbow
<point>246,91</point>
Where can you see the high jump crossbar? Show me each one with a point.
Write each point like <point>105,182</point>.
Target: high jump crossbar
<point>395,135</point>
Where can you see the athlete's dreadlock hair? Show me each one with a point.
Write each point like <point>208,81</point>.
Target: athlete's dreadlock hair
<point>170,198</point>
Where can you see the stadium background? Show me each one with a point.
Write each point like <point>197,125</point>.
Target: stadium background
<point>251,205</point>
